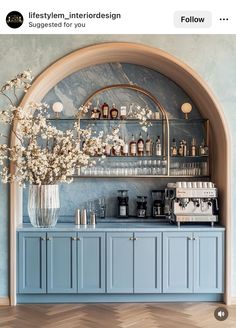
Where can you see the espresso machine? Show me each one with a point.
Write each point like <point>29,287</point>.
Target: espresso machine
<point>191,202</point>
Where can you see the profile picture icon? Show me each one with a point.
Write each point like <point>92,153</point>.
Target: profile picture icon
<point>14,19</point>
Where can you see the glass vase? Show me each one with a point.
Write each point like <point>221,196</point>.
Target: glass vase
<point>43,205</point>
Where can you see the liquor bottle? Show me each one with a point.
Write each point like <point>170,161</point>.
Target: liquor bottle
<point>181,149</point>
<point>113,112</point>
<point>125,149</point>
<point>105,111</point>
<point>203,149</point>
<point>148,146</point>
<point>133,147</point>
<point>123,112</point>
<point>140,145</point>
<point>158,146</point>
<point>96,113</point>
<point>193,149</point>
<point>173,149</point>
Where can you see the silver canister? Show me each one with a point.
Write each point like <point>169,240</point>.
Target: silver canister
<point>84,217</point>
<point>92,218</point>
<point>77,217</point>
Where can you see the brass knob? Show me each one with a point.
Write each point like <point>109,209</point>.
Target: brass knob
<point>135,238</point>
<point>43,238</point>
<point>73,238</point>
<point>131,238</point>
<point>190,238</point>
<point>49,238</point>
<point>78,238</point>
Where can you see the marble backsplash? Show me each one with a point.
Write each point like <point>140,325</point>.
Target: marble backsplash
<point>72,92</point>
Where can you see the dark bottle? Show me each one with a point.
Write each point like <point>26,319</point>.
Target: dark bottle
<point>105,111</point>
<point>133,147</point>
<point>140,145</point>
<point>114,112</point>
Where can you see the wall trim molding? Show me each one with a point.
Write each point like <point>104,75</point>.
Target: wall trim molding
<point>4,301</point>
<point>188,79</point>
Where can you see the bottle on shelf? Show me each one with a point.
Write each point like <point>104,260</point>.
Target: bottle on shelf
<point>180,149</point>
<point>96,113</point>
<point>158,146</point>
<point>173,149</point>
<point>125,148</point>
<point>184,147</point>
<point>123,113</point>
<point>133,147</point>
<point>140,145</point>
<point>105,111</point>
<point>148,146</point>
<point>203,148</point>
<point>114,112</point>
<point>193,149</point>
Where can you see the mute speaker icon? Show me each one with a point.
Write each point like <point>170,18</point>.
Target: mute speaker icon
<point>221,313</point>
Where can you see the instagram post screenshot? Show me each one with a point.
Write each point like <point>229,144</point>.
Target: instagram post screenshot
<point>117,164</point>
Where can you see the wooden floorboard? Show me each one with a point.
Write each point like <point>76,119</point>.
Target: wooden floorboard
<point>128,315</point>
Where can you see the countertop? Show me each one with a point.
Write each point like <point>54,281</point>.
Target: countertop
<point>113,227</point>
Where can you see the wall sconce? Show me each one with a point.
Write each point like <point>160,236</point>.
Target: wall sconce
<point>186,108</point>
<point>57,107</point>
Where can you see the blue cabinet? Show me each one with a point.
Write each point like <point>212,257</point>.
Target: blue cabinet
<point>32,263</point>
<point>193,262</point>
<point>134,262</point>
<point>147,262</point>
<point>61,262</point>
<point>120,262</point>
<point>177,262</point>
<point>208,262</point>
<point>91,262</point>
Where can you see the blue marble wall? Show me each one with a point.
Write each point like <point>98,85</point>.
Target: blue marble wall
<point>72,92</point>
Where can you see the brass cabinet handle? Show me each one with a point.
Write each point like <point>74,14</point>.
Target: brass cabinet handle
<point>49,238</point>
<point>131,238</point>
<point>190,238</point>
<point>194,238</point>
<point>78,238</point>
<point>73,238</point>
<point>43,238</point>
<point>135,238</point>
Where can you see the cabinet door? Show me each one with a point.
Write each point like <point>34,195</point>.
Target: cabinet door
<point>177,262</point>
<point>61,262</point>
<point>208,262</point>
<point>91,262</point>
<point>120,262</point>
<point>32,262</point>
<point>147,262</point>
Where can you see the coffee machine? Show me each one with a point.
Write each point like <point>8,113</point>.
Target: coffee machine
<point>191,202</point>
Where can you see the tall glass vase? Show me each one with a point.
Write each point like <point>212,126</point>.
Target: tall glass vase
<point>43,205</point>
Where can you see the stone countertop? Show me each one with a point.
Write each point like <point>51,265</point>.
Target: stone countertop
<point>129,227</point>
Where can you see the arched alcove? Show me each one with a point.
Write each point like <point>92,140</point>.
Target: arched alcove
<point>182,75</point>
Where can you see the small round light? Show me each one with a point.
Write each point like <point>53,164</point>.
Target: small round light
<point>186,108</point>
<point>57,107</point>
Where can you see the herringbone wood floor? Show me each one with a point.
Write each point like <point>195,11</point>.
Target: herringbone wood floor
<point>129,315</point>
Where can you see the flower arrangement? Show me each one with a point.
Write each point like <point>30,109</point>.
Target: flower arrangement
<point>45,154</point>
